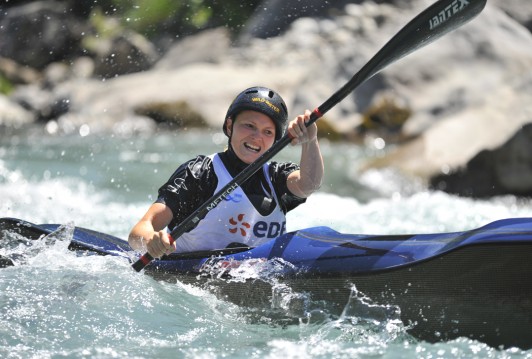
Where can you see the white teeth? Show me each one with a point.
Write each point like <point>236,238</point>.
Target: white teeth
<point>253,148</point>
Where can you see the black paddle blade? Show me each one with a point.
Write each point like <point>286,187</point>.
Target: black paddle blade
<point>437,20</point>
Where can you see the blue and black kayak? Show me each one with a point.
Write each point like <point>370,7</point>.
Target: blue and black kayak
<point>475,283</point>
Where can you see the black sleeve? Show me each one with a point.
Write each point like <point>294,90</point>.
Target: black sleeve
<point>279,174</point>
<point>189,187</point>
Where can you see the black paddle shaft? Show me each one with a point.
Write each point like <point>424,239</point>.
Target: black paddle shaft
<point>440,18</point>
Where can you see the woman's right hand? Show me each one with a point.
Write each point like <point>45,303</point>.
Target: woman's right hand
<point>160,244</point>
<point>149,234</point>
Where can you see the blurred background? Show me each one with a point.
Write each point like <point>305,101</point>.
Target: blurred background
<point>450,117</point>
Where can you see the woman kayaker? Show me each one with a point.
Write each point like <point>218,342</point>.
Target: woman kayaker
<point>255,211</point>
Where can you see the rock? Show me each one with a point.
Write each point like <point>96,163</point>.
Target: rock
<point>505,170</point>
<point>13,115</point>
<point>206,89</point>
<point>18,74</point>
<point>272,17</point>
<point>40,102</point>
<point>470,92</point>
<point>520,10</point>
<point>59,72</point>
<point>39,33</point>
<point>174,115</point>
<point>125,53</point>
<point>208,46</point>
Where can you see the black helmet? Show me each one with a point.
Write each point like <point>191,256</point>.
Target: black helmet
<point>263,100</point>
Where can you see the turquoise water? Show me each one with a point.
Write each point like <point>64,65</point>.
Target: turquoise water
<point>55,304</point>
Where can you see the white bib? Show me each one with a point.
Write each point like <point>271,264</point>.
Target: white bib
<point>235,219</point>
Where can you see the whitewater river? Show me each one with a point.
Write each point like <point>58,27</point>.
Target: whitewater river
<point>55,304</point>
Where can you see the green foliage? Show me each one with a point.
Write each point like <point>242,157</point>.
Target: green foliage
<point>181,17</point>
<point>5,85</point>
<point>105,26</point>
<point>145,13</point>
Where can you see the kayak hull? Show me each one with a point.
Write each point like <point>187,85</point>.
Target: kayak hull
<point>479,292</point>
<point>443,286</point>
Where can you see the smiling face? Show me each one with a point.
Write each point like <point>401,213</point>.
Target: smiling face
<point>251,133</point>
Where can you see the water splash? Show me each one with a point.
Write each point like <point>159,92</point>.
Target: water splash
<point>377,323</point>
<point>242,270</point>
<point>21,250</point>
<point>269,299</point>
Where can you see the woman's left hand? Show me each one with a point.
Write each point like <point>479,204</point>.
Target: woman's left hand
<point>299,132</point>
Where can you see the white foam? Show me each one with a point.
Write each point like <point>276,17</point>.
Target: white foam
<point>63,200</point>
<point>422,212</point>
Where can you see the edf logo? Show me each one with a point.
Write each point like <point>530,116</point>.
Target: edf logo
<point>269,230</point>
<point>261,229</point>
